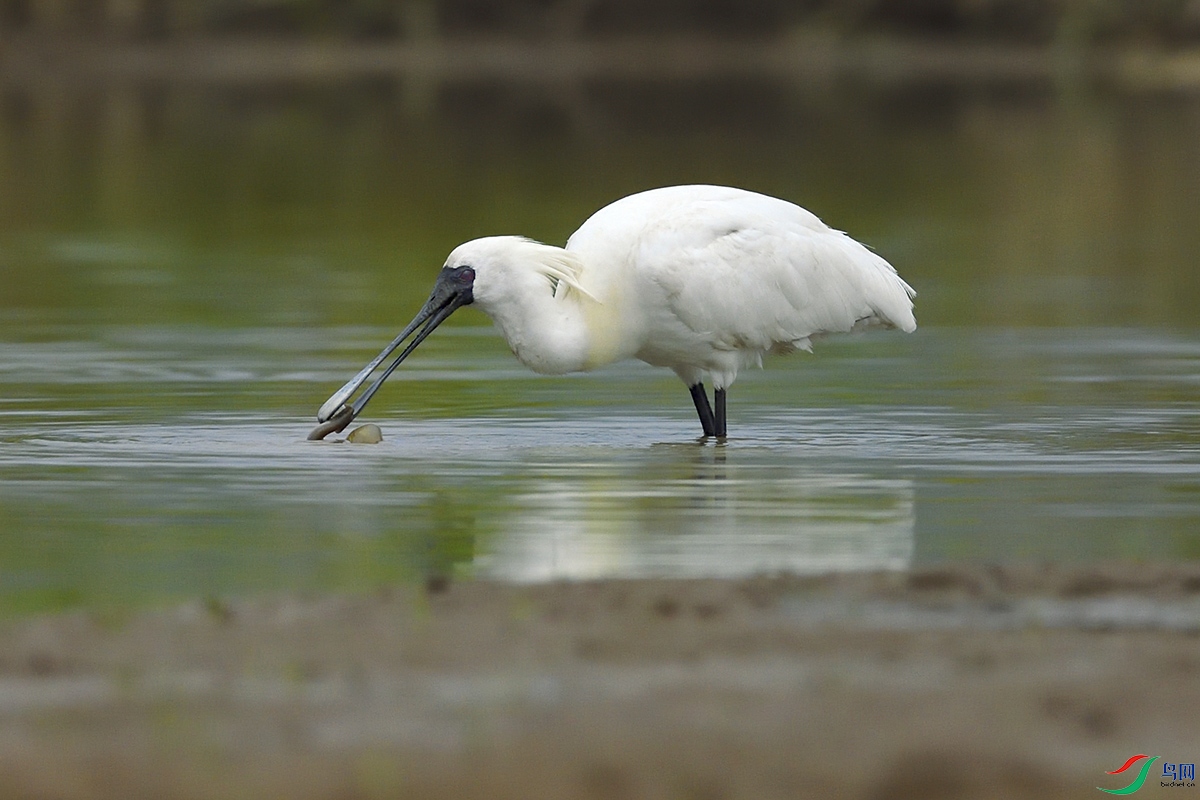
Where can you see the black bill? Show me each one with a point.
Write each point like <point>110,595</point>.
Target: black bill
<point>452,290</point>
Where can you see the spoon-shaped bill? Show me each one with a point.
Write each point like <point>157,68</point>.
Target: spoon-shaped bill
<point>334,424</point>
<point>451,291</point>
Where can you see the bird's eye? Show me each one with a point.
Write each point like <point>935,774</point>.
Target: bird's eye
<point>466,276</point>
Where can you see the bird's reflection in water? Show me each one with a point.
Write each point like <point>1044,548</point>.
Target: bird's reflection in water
<point>688,511</point>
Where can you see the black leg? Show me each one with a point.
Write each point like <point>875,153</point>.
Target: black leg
<point>703,409</point>
<point>719,400</point>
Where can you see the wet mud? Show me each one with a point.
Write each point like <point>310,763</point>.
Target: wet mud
<point>942,682</point>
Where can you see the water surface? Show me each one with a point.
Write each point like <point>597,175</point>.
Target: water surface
<point>188,273</point>
<point>174,476</point>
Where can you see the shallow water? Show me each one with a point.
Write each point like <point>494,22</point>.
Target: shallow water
<point>189,272</point>
<point>1019,444</point>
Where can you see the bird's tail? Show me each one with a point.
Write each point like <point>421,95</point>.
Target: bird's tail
<point>888,295</point>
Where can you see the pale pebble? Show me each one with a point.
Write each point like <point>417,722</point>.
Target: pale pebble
<point>366,434</point>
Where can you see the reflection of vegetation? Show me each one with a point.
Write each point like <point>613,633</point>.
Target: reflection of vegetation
<point>99,556</point>
<point>333,205</point>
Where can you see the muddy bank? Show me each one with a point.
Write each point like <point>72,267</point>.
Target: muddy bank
<point>941,683</point>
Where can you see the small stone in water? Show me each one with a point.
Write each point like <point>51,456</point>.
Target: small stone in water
<point>366,434</point>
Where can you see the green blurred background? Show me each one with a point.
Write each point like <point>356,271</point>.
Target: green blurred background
<point>230,162</point>
<point>212,213</point>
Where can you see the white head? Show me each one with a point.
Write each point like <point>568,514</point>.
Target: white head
<point>511,269</point>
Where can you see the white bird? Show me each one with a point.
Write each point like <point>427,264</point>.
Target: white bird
<point>704,280</point>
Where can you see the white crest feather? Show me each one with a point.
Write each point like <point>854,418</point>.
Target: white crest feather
<point>561,267</point>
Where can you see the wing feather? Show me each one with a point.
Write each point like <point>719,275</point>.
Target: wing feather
<point>766,274</point>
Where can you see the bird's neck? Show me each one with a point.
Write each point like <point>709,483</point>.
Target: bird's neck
<point>546,333</point>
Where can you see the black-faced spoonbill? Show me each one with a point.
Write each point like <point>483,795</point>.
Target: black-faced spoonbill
<point>702,279</point>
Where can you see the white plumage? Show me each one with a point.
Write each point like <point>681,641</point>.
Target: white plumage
<point>704,280</point>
